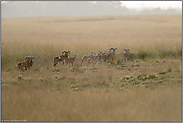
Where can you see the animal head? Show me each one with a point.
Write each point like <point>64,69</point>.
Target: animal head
<point>29,58</point>
<point>127,51</point>
<point>111,49</point>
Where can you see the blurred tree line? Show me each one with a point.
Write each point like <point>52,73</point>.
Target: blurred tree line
<point>73,8</point>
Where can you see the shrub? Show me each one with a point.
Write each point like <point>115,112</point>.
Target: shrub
<point>151,76</point>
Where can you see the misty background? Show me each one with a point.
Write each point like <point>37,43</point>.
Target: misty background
<point>77,8</point>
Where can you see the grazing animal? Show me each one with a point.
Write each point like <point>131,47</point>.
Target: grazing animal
<point>125,54</point>
<point>99,56</point>
<point>64,57</point>
<point>104,56</point>
<point>85,58</point>
<point>71,60</point>
<point>111,54</point>
<point>60,58</point>
<point>22,65</point>
<point>26,64</point>
<point>57,59</point>
<point>30,59</point>
<point>94,59</point>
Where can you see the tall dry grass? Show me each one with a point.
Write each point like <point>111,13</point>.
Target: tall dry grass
<point>154,36</point>
<point>92,105</point>
<point>106,92</point>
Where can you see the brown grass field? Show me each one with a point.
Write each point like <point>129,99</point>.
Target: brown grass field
<point>148,87</point>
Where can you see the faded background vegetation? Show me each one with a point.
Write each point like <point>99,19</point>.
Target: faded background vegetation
<point>86,8</point>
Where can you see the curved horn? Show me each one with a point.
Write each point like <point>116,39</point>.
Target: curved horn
<point>101,53</point>
<point>111,49</point>
<point>107,53</point>
<point>63,52</point>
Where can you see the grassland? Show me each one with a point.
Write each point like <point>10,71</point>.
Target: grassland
<point>146,88</point>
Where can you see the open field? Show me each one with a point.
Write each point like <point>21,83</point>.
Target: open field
<point>148,87</point>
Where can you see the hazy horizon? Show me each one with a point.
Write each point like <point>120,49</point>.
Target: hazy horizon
<point>152,4</point>
<point>87,8</point>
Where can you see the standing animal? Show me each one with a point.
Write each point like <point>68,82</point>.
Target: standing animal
<point>61,58</point>
<point>85,58</point>
<point>94,59</point>
<point>22,65</point>
<point>64,58</point>
<point>30,59</point>
<point>57,59</point>
<point>104,56</point>
<point>26,64</point>
<point>125,55</point>
<point>71,60</point>
<point>111,54</point>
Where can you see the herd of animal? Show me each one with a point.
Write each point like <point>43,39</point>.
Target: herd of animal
<point>93,58</point>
